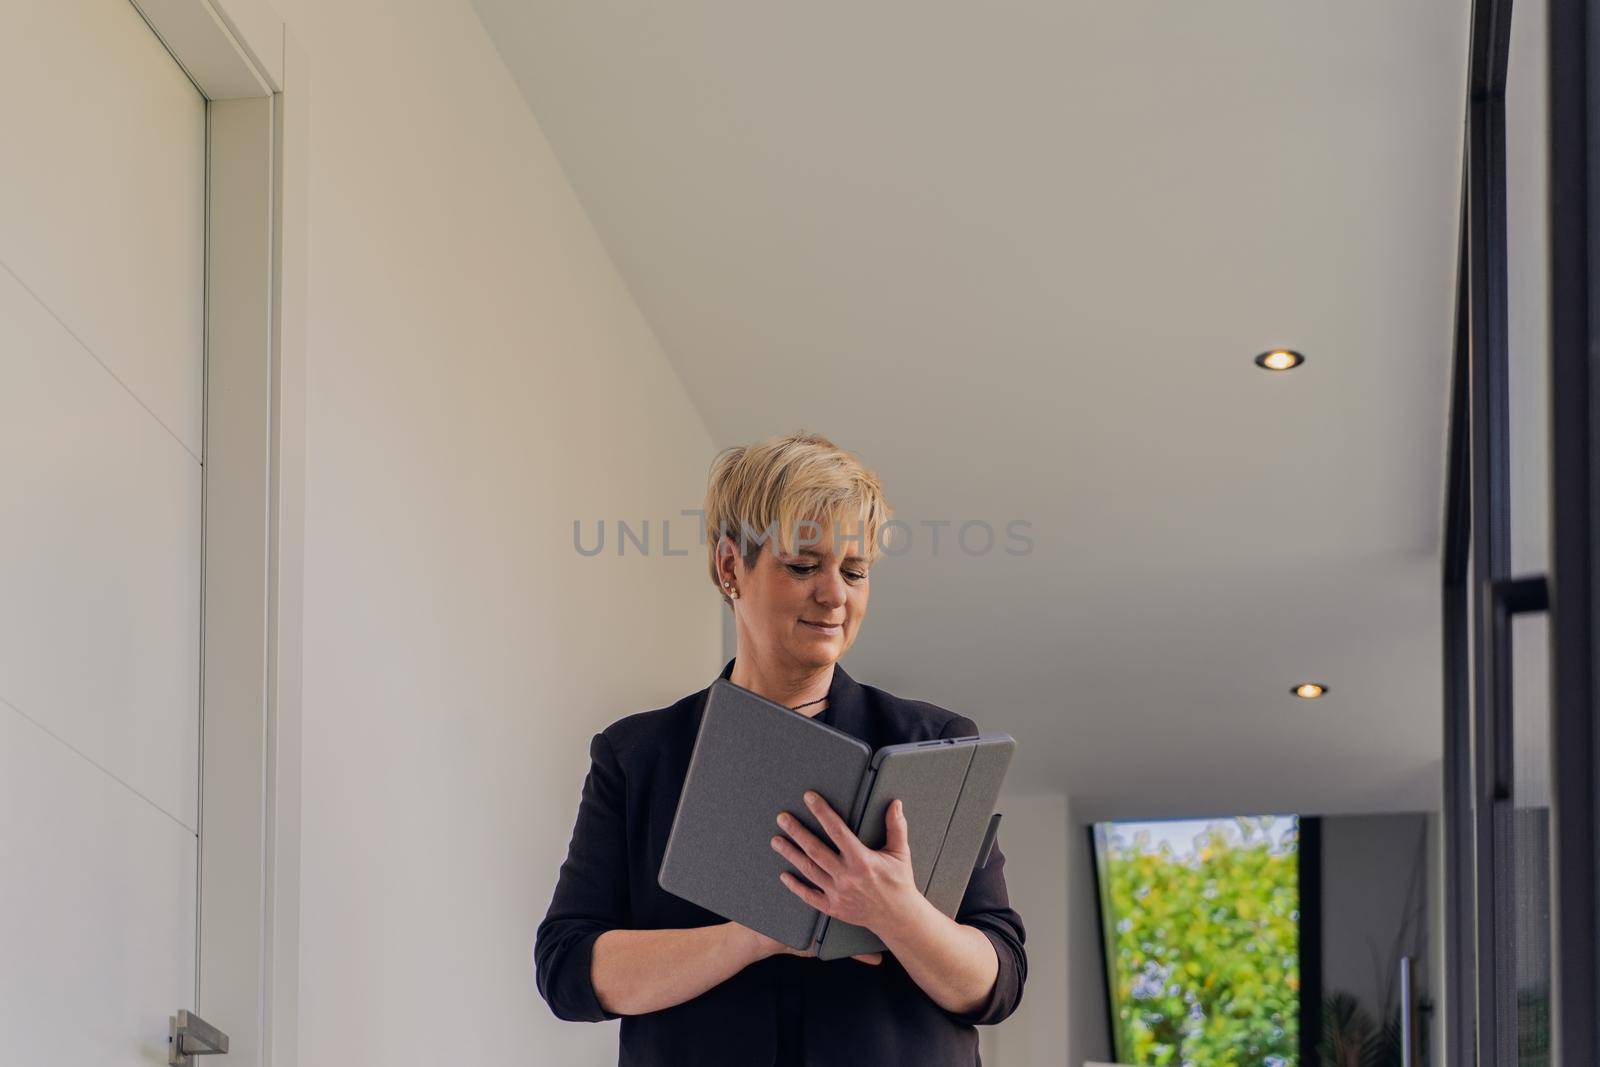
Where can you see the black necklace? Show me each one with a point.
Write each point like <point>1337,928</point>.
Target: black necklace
<point>808,703</point>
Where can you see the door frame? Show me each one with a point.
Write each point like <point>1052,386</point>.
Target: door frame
<point>1479,591</point>
<point>244,61</point>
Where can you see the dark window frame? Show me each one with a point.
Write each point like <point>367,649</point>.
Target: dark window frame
<point>1481,1002</point>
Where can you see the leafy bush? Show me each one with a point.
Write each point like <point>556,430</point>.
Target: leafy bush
<point>1205,947</point>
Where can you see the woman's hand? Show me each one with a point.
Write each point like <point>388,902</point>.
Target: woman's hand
<point>762,946</point>
<point>854,884</point>
<point>955,964</point>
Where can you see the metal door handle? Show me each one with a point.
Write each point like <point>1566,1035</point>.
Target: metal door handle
<point>192,1036</point>
<point>1405,1011</point>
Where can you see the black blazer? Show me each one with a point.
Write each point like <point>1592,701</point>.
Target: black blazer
<point>784,1009</point>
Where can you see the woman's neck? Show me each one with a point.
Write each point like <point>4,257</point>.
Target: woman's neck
<point>786,687</point>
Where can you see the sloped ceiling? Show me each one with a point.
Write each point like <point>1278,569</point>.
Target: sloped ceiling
<point>1019,256</point>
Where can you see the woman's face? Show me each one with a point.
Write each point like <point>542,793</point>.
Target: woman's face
<point>799,608</point>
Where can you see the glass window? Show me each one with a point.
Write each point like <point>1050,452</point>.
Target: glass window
<point>1202,929</point>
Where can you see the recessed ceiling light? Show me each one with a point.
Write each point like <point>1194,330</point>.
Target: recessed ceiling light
<point>1280,359</point>
<point>1309,690</point>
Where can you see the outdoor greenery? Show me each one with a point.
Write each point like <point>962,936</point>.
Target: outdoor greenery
<point>1204,945</point>
<point>1350,1037</point>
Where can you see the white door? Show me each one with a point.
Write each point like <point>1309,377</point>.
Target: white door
<point>102,243</point>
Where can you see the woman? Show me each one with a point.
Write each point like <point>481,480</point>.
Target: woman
<point>792,527</point>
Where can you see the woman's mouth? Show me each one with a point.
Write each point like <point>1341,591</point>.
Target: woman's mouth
<point>825,627</point>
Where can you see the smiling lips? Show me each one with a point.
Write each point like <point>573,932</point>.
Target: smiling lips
<point>825,627</point>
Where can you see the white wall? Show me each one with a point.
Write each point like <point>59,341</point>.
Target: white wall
<point>478,378</point>
<point>1050,878</point>
<point>1033,835</point>
<point>1089,1035</point>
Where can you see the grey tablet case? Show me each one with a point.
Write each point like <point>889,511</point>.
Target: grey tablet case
<point>754,757</point>
<point>949,789</point>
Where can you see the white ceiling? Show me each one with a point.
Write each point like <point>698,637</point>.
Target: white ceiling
<point>1019,256</point>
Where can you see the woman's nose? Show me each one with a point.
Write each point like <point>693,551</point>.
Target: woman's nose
<point>830,590</point>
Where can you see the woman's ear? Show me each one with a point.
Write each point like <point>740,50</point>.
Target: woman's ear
<point>727,563</point>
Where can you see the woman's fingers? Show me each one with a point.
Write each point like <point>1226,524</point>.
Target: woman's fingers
<point>873,958</point>
<point>804,892</point>
<point>820,854</point>
<point>846,842</point>
<point>896,832</point>
<point>802,862</point>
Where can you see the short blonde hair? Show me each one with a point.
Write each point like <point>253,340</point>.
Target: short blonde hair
<point>769,489</point>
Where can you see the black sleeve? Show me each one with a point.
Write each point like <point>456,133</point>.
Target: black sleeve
<point>987,907</point>
<point>591,894</point>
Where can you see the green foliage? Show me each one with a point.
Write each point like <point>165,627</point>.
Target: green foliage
<point>1351,1039</point>
<point>1348,1036</point>
<point>1533,1027</point>
<point>1205,950</point>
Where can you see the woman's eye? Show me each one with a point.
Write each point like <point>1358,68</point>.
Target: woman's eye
<point>803,569</point>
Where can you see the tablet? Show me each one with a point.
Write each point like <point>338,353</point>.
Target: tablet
<point>753,758</point>
<point>949,788</point>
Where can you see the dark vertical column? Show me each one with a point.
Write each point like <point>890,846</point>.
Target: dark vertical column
<point>1491,520</point>
<point>1574,525</point>
<point>1103,921</point>
<point>1310,868</point>
<point>1457,983</point>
